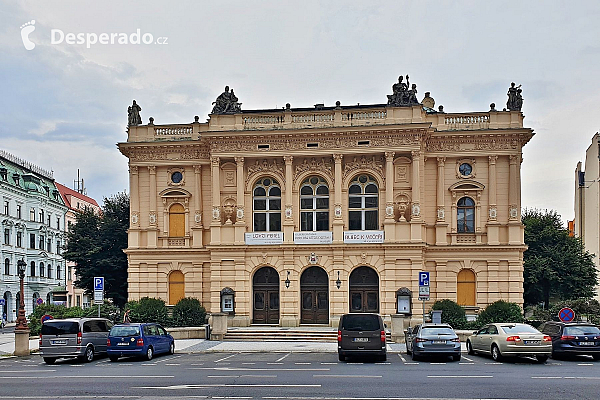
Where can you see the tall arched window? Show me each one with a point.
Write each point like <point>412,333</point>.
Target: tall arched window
<point>314,205</point>
<point>267,205</point>
<point>363,202</point>
<point>50,271</point>
<point>6,266</point>
<point>465,288</point>
<point>176,287</point>
<point>32,270</point>
<point>176,221</point>
<point>42,270</point>
<point>465,218</point>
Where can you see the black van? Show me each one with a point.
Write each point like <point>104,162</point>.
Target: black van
<point>361,335</point>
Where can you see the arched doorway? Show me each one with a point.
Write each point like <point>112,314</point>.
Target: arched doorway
<point>465,288</point>
<point>176,287</point>
<point>364,290</point>
<point>314,296</point>
<point>265,303</point>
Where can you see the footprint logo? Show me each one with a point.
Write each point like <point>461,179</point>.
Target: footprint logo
<point>26,29</point>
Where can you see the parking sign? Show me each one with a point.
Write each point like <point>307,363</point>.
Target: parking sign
<point>98,283</point>
<point>423,278</point>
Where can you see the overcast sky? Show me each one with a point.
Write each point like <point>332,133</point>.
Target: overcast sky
<point>64,107</point>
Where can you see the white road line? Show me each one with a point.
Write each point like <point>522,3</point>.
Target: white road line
<point>347,376</point>
<point>585,364</point>
<point>222,376</point>
<point>283,357</point>
<point>225,358</point>
<point>274,363</point>
<point>248,363</point>
<point>326,363</point>
<point>411,363</point>
<point>198,364</point>
<point>493,363</point>
<point>31,370</point>
<point>90,376</point>
<point>437,363</point>
<point>307,363</point>
<point>216,385</point>
<point>402,358</point>
<point>566,377</point>
<point>459,376</point>
<point>467,358</point>
<point>173,365</point>
<point>464,363</point>
<point>261,369</point>
<point>258,376</point>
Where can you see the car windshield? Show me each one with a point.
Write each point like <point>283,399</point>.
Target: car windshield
<point>437,330</point>
<point>60,328</point>
<point>125,331</point>
<point>515,329</point>
<point>361,323</point>
<point>581,330</point>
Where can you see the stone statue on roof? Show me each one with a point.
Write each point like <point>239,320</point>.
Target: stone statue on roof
<point>402,95</point>
<point>226,103</point>
<point>515,99</point>
<point>133,114</point>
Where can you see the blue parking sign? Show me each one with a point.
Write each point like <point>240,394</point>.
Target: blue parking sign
<point>423,278</point>
<point>99,283</point>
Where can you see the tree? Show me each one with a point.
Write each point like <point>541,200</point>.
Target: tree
<point>96,243</point>
<point>556,265</point>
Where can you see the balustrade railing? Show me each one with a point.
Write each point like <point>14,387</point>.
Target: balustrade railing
<point>478,120</point>
<point>173,130</point>
<point>363,115</point>
<point>263,120</point>
<point>312,118</point>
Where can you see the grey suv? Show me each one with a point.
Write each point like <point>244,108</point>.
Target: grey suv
<point>74,337</point>
<point>361,334</point>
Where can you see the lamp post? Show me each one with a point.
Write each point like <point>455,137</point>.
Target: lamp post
<point>21,330</point>
<point>338,282</point>
<point>287,280</point>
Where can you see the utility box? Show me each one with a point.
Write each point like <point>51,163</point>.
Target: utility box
<point>436,316</point>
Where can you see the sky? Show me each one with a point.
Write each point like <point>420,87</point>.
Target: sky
<point>64,106</point>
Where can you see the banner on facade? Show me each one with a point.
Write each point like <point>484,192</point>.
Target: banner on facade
<point>257,238</point>
<point>363,237</point>
<point>319,237</point>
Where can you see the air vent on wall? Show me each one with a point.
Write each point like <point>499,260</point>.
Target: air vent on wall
<point>263,147</point>
<point>312,144</point>
<point>363,142</point>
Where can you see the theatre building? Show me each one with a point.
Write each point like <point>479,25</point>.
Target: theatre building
<point>296,216</point>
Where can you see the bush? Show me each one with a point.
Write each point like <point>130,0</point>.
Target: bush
<point>188,312</point>
<point>500,311</point>
<point>588,309</point>
<point>57,312</point>
<point>452,313</point>
<point>107,310</point>
<point>148,310</point>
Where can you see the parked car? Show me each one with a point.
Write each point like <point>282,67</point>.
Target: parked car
<point>73,337</point>
<point>573,338</point>
<point>432,339</point>
<point>510,339</point>
<point>139,340</point>
<point>361,334</point>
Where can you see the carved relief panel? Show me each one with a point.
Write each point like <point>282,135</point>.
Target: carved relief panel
<point>402,172</point>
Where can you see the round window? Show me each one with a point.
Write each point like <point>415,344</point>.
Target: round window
<point>176,177</point>
<point>465,169</point>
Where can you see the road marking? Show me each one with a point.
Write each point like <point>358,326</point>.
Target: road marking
<point>274,363</point>
<point>262,369</point>
<point>307,363</point>
<point>173,365</point>
<point>464,363</point>
<point>347,376</point>
<point>402,358</point>
<point>566,377</point>
<point>411,363</point>
<point>283,357</point>
<point>585,364</point>
<point>90,376</point>
<point>437,363</point>
<point>222,376</point>
<point>493,363</point>
<point>327,363</point>
<point>248,363</point>
<point>459,376</point>
<point>216,385</point>
<point>258,376</point>
<point>225,358</point>
<point>198,364</point>
<point>467,358</point>
<point>31,370</point>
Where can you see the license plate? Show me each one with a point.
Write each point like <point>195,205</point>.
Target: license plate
<point>122,344</point>
<point>532,341</point>
<point>438,341</point>
<point>361,339</point>
<point>587,343</point>
<point>59,342</point>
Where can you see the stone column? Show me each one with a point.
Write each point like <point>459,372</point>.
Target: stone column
<point>240,218</point>
<point>152,219</point>
<point>198,196</point>
<point>415,221</point>
<point>441,227</point>
<point>492,210</point>
<point>338,221</point>
<point>515,235</point>
<point>288,222</point>
<point>389,224</point>
<point>134,205</point>
<point>215,224</point>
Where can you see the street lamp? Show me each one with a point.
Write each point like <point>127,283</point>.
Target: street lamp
<point>21,320</point>
<point>287,280</point>
<point>338,283</point>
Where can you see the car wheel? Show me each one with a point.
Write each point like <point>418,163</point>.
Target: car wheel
<point>470,350</point>
<point>341,357</point>
<point>456,358</point>
<point>541,359</point>
<point>89,354</point>
<point>49,360</point>
<point>113,358</point>
<point>149,353</point>
<point>172,348</point>
<point>496,353</point>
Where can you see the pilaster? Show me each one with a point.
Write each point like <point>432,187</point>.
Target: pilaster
<point>288,222</point>
<point>338,221</point>
<point>215,224</point>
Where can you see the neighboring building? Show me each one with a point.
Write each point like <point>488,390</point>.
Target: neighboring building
<point>77,202</point>
<point>33,222</point>
<point>587,200</point>
<point>299,215</point>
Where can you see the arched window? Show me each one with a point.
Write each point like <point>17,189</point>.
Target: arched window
<point>6,266</point>
<point>176,287</point>
<point>314,205</point>
<point>465,288</point>
<point>32,270</point>
<point>49,271</point>
<point>42,270</point>
<point>267,205</point>
<point>176,221</point>
<point>363,201</point>
<point>465,215</point>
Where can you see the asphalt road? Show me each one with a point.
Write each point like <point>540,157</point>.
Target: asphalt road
<point>298,376</point>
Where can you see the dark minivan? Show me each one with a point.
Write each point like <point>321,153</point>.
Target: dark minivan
<point>573,338</point>
<point>361,335</point>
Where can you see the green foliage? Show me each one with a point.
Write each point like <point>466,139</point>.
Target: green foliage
<point>500,311</point>
<point>107,310</point>
<point>148,310</point>
<point>96,243</point>
<point>188,312</point>
<point>588,309</point>
<point>57,312</point>
<point>452,313</point>
<point>556,266</point>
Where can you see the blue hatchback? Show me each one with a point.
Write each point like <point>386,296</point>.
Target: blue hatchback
<point>138,340</point>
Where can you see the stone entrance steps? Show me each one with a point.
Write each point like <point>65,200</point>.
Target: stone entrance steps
<point>278,334</point>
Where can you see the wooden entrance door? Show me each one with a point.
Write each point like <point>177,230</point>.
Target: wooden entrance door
<point>314,301</point>
<point>265,296</point>
<point>364,290</point>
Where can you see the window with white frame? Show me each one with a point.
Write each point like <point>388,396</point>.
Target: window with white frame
<point>42,269</point>
<point>32,214</point>
<point>6,207</point>
<point>465,215</point>
<point>314,205</point>
<point>6,236</point>
<point>6,266</point>
<point>267,205</point>
<point>363,204</point>
<point>19,239</point>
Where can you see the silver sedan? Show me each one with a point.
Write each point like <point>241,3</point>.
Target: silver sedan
<point>432,339</point>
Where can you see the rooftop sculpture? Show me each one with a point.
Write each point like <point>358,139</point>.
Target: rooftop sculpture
<point>133,114</point>
<point>402,95</point>
<point>226,103</point>
<point>515,99</point>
